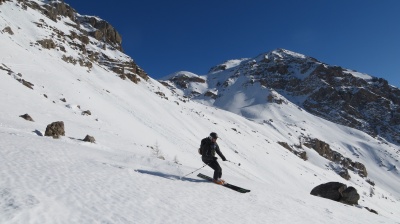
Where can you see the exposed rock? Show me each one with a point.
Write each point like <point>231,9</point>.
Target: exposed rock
<point>330,190</point>
<point>47,43</point>
<point>210,94</point>
<point>350,196</point>
<point>338,192</point>
<point>69,59</point>
<point>300,154</point>
<point>8,30</point>
<point>26,83</point>
<point>27,117</point>
<point>63,100</point>
<point>344,173</point>
<point>162,95</point>
<point>86,112</point>
<point>325,151</point>
<point>104,32</point>
<point>217,68</point>
<point>183,80</point>
<point>55,9</point>
<point>55,129</point>
<point>89,138</point>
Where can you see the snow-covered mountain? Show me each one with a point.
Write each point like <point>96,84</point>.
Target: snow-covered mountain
<point>58,65</point>
<point>334,93</point>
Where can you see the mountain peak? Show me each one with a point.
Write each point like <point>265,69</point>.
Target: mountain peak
<point>282,54</point>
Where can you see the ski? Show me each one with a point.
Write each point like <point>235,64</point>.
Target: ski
<point>230,186</point>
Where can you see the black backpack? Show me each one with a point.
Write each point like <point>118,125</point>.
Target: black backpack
<point>203,143</point>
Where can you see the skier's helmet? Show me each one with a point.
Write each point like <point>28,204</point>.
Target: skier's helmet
<point>214,135</point>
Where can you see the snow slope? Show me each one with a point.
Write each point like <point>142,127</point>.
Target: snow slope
<point>120,180</point>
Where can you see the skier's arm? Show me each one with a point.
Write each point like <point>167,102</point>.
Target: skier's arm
<point>220,153</point>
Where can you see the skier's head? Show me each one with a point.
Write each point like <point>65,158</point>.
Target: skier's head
<point>213,136</point>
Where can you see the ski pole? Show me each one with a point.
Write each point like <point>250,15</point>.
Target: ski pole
<point>233,162</point>
<point>194,171</point>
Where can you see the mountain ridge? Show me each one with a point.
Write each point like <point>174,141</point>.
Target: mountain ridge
<point>331,92</point>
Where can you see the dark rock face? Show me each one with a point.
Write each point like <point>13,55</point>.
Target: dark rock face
<point>104,32</point>
<point>55,129</point>
<point>337,192</point>
<point>55,9</point>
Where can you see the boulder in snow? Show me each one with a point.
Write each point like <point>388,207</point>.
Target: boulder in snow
<point>350,196</point>
<point>86,112</point>
<point>8,30</point>
<point>89,138</point>
<point>337,192</point>
<point>55,129</point>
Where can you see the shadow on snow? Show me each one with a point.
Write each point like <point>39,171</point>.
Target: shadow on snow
<point>169,176</point>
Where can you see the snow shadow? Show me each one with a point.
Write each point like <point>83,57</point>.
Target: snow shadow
<point>38,133</point>
<point>169,176</point>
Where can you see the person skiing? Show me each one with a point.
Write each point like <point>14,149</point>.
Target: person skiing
<point>208,149</point>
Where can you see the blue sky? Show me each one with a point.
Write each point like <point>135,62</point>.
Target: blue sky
<point>168,36</point>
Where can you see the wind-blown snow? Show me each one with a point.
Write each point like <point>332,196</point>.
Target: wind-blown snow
<point>359,74</point>
<point>120,180</point>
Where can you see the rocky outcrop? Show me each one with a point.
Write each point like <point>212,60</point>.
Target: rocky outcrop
<point>55,129</point>
<point>211,95</point>
<point>47,43</point>
<point>337,192</point>
<point>183,81</point>
<point>300,153</point>
<point>55,9</point>
<point>324,150</point>
<point>90,45</point>
<point>105,32</point>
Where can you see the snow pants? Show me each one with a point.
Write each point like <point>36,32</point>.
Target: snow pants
<point>216,167</point>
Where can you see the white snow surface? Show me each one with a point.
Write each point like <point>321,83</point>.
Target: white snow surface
<point>359,74</point>
<point>120,180</point>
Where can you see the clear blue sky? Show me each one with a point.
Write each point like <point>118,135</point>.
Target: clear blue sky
<point>168,36</point>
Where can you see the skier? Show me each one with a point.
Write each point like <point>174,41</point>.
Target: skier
<point>208,148</point>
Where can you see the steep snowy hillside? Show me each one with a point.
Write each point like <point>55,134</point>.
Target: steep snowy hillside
<point>147,138</point>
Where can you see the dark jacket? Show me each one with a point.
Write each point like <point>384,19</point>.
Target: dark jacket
<point>209,149</point>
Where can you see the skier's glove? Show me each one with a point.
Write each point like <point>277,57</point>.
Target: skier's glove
<point>224,159</point>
